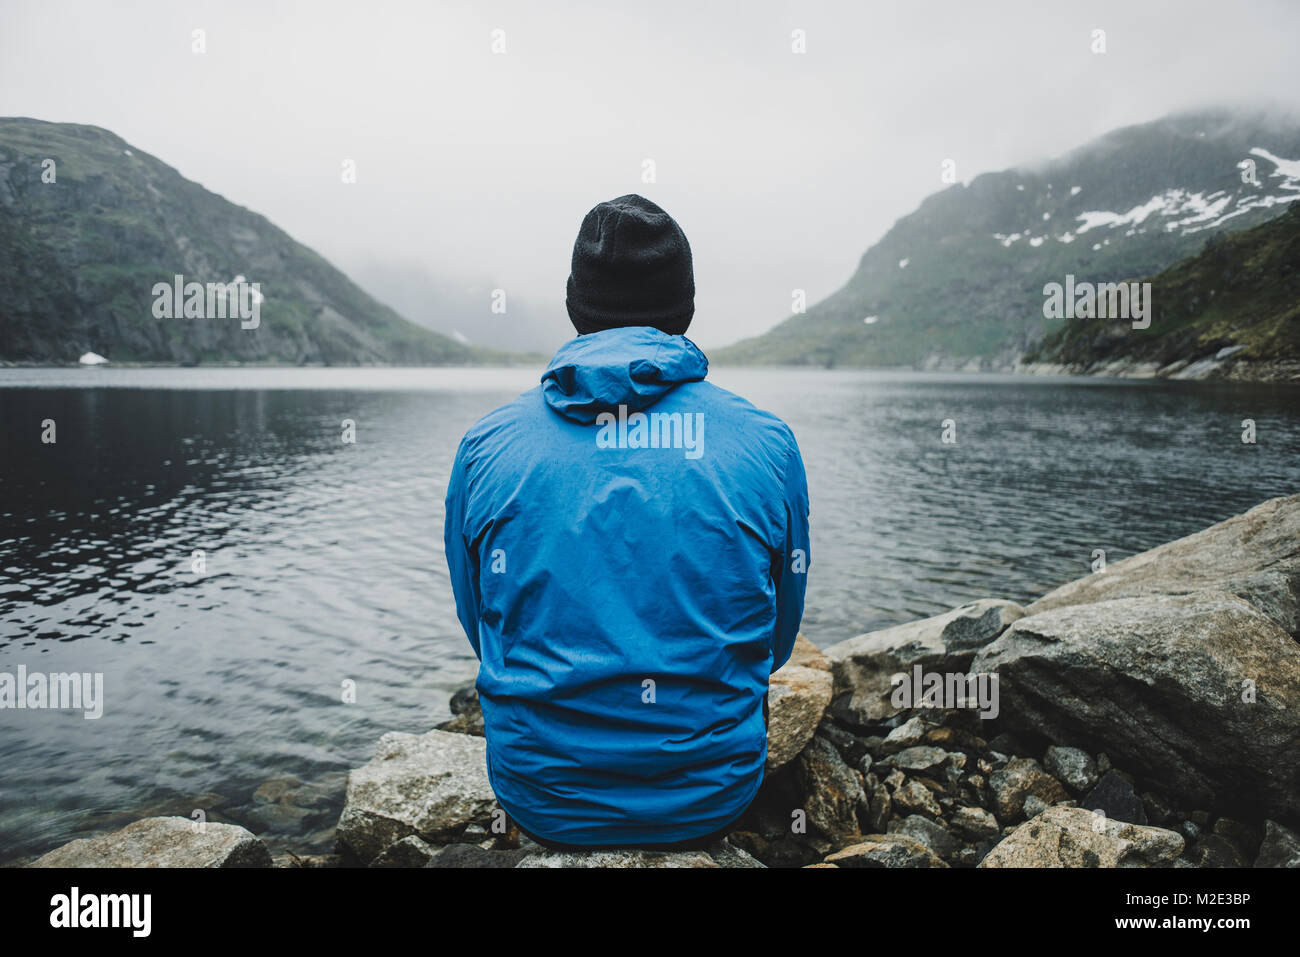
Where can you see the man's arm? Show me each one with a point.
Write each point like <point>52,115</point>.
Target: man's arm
<point>791,573</point>
<point>462,561</point>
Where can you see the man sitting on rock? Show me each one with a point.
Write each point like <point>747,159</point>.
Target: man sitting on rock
<point>628,546</point>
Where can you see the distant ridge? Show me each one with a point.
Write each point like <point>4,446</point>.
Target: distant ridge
<point>958,283</point>
<point>83,253</point>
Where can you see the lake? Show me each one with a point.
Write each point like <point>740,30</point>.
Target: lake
<point>322,560</point>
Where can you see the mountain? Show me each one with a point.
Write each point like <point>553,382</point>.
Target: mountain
<point>959,282</point>
<point>461,310</point>
<point>83,253</point>
<point>1232,311</point>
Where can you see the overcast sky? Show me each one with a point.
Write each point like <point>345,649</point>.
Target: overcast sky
<point>782,168</point>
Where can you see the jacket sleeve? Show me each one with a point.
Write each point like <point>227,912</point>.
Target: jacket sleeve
<point>462,561</point>
<point>791,572</point>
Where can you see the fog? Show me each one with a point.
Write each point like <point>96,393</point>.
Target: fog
<point>476,167</point>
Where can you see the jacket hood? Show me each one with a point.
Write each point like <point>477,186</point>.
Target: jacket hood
<point>633,366</point>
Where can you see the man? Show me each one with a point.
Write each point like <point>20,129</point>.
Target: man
<point>628,546</point>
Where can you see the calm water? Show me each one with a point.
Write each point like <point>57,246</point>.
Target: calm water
<point>324,560</point>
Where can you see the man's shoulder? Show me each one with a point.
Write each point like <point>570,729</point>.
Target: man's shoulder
<point>528,405</point>
<point>742,412</point>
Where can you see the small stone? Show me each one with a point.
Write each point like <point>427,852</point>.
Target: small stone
<point>1158,809</point>
<point>1114,797</point>
<point>879,806</point>
<point>915,798</point>
<point>906,735</point>
<point>932,835</point>
<point>1017,781</point>
<point>919,758</point>
<point>1072,767</point>
<point>887,850</point>
<point>1280,848</point>
<point>410,851</point>
<point>1215,850</point>
<point>1243,835</point>
<point>975,822</point>
<point>471,855</point>
<point>1034,806</point>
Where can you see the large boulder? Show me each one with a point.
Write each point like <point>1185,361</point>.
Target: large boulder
<point>164,842</point>
<point>863,666</point>
<point>1199,692</point>
<point>1073,837</point>
<point>797,696</point>
<point>1255,555</point>
<point>432,785</point>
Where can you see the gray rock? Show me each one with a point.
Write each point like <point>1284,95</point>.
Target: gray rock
<point>163,842</point>
<point>726,854</point>
<point>886,850</point>
<point>1255,556</point>
<point>1073,837</point>
<point>908,734</point>
<point>1034,806</point>
<point>410,851</point>
<point>1160,682</point>
<point>1281,847</point>
<point>797,696</point>
<point>879,805</point>
<point>975,822</point>
<point>920,758</point>
<point>1114,797</point>
<point>431,785</point>
<point>1072,767</point>
<point>863,666</point>
<point>915,798</point>
<point>1247,837</point>
<point>473,856</point>
<point>1020,779</point>
<point>932,835</point>
<point>831,792</point>
<point>1215,850</point>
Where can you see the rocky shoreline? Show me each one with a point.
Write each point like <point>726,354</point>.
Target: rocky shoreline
<point>1147,715</point>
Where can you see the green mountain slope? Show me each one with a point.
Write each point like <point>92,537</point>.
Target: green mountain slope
<point>1232,308</point>
<point>959,282</point>
<point>81,256</point>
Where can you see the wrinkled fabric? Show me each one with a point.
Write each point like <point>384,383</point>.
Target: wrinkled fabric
<point>627,602</point>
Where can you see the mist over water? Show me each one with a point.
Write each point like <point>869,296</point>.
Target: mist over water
<point>324,560</point>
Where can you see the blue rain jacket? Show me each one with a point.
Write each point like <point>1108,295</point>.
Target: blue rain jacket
<point>628,546</point>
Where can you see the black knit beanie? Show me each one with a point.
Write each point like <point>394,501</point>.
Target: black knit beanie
<point>631,267</point>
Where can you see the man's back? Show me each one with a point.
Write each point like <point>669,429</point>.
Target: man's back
<point>627,545</point>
